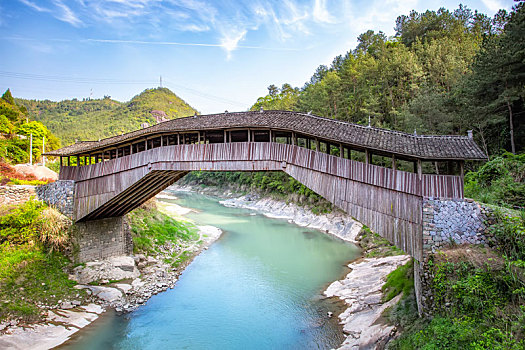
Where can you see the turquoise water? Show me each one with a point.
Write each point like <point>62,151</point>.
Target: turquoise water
<point>258,287</point>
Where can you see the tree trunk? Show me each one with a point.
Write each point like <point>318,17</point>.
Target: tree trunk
<point>511,124</point>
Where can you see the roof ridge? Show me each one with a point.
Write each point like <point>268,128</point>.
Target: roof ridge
<point>366,127</point>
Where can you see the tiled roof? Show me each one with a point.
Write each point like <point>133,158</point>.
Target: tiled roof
<point>382,140</point>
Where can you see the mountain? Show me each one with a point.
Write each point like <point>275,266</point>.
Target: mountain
<point>89,119</point>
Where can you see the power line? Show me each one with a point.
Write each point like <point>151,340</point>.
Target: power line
<point>68,79</point>
<point>82,80</point>
<point>206,95</point>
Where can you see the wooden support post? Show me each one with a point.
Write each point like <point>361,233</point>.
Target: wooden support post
<point>225,139</point>
<point>394,165</point>
<point>420,169</point>
<point>89,159</point>
<point>145,146</point>
<point>341,151</point>
<point>317,145</point>
<point>178,139</point>
<point>436,167</point>
<point>462,168</point>
<point>249,135</point>
<point>161,141</point>
<point>367,157</point>
<point>199,137</point>
<point>270,132</point>
<point>116,153</point>
<point>130,149</point>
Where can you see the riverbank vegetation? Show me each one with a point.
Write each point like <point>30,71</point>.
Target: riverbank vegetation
<point>33,261</point>
<point>275,184</point>
<point>155,233</point>
<point>375,246</point>
<point>479,295</point>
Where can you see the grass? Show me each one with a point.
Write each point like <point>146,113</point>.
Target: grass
<point>28,277</point>
<point>401,280</point>
<point>32,266</point>
<point>152,229</point>
<point>375,246</point>
<point>27,182</point>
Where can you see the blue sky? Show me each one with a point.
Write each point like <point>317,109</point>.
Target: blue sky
<point>216,55</point>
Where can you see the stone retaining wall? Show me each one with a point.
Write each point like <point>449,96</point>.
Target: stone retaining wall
<point>59,194</point>
<point>16,194</point>
<point>446,221</point>
<point>101,239</point>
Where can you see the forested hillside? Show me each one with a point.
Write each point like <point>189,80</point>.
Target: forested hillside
<point>91,119</point>
<point>442,73</point>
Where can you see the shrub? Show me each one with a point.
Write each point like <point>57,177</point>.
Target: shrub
<point>53,229</point>
<point>499,181</point>
<point>509,234</point>
<point>17,226</point>
<point>451,333</point>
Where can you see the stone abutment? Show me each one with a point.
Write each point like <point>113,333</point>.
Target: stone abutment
<point>447,222</point>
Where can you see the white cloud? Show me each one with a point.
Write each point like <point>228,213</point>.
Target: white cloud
<point>34,6</point>
<point>321,14</point>
<point>230,40</point>
<point>192,27</point>
<point>66,14</point>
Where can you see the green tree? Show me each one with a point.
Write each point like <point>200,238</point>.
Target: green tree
<point>495,92</point>
<point>6,126</point>
<point>8,97</point>
<point>37,129</point>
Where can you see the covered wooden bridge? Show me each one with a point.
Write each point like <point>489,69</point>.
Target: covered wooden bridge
<point>378,176</point>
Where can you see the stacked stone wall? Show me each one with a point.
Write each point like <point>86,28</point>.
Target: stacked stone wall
<point>16,194</point>
<point>59,194</point>
<point>446,222</point>
<point>101,239</point>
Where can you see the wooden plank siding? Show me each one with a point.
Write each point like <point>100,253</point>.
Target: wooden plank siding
<point>388,201</point>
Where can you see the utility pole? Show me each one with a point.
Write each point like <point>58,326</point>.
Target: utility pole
<point>43,150</point>
<point>31,149</point>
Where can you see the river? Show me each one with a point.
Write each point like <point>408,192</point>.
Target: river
<point>258,287</point>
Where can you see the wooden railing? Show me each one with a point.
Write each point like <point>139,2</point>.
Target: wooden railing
<point>243,155</point>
